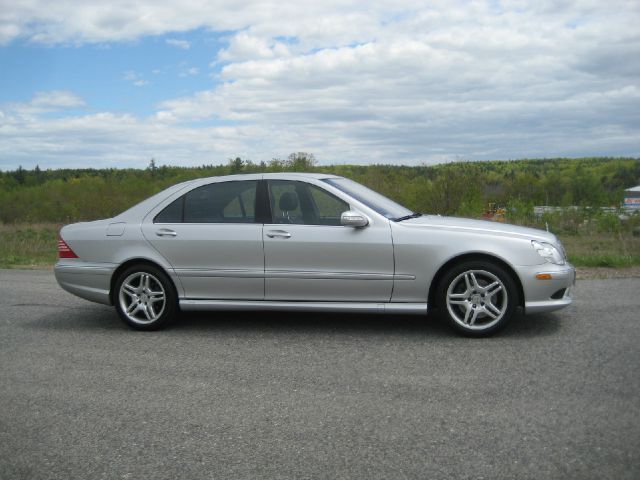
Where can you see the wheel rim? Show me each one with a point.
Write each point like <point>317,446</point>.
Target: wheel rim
<point>142,298</point>
<point>477,299</point>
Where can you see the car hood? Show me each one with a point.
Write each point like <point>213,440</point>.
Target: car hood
<point>478,227</point>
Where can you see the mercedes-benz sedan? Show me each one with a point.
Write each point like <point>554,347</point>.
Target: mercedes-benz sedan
<point>294,241</point>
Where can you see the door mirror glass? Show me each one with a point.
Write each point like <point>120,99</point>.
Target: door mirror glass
<point>353,219</point>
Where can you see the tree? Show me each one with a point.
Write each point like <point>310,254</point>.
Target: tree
<point>236,165</point>
<point>301,161</point>
<point>19,175</point>
<point>152,167</point>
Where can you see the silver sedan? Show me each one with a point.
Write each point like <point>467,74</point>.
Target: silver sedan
<point>298,241</point>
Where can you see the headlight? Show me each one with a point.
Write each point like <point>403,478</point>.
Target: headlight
<point>549,252</point>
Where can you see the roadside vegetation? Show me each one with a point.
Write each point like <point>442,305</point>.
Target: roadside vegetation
<point>28,245</point>
<point>35,203</point>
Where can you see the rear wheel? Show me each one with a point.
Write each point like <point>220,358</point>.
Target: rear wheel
<point>477,298</point>
<point>145,298</point>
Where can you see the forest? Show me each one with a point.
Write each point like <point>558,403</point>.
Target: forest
<point>459,188</point>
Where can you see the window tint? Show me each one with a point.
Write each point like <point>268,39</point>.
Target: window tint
<point>242,206</point>
<point>304,204</point>
<point>285,202</point>
<point>328,206</point>
<point>225,202</point>
<point>171,213</point>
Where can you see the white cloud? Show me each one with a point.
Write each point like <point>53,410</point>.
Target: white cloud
<point>57,99</point>
<point>93,21</point>
<point>378,81</point>
<point>107,139</point>
<point>184,44</point>
<point>135,78</point>
<point>244,46</point>
<point>42,103</point>
<point>189,72</point>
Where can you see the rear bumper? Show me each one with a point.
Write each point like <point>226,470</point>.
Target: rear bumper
<point>549,294</point>
<point>91,281</point>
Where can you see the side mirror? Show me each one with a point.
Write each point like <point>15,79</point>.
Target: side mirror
<point>353,219</point>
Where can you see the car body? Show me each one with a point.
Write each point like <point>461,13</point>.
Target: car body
<point>302,241</point>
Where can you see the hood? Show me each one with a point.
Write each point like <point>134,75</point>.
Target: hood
<point>479,226</point>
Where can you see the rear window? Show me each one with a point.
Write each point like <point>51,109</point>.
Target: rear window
<point>223,202</point>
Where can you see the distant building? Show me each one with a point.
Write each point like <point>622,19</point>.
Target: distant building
<point>632,199</point>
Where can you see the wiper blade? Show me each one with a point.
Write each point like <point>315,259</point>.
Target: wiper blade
<point>407,217</point>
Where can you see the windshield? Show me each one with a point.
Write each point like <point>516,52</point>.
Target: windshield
<point>371,199</point>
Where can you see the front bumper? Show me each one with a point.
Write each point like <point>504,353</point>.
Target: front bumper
<point>547,287</point>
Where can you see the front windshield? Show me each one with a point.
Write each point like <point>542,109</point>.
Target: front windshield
<point>371,199</point>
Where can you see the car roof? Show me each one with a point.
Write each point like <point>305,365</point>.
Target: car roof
<point>142,208</point>
<point>260,176</point>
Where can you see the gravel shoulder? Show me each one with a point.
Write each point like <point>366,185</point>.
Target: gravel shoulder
<point>584,273</point>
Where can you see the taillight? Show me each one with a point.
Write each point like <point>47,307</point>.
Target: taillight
<point>64,251</point>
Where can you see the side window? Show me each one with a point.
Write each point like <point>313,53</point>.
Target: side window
<point>242,206</point>
<point>224,202</point>
<point>328,207</point>
<point>285,201</point>
<point>172,213</point>
<point>304,204</point>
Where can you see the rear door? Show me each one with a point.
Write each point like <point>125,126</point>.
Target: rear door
<point>212,239</point>
<point>310,256</point>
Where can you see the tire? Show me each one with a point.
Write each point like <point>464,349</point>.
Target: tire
<point>145,298</point>
<point>477,298</point>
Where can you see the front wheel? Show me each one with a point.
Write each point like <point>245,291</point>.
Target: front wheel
<point>145,298</point>
<point>477,298</point>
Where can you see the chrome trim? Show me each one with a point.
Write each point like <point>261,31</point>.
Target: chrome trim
<point>336,275</point>
<point>196,272</point>
<point>278,234</point>
<point>403,276</point>
<point>166,232</point>
<point>258,305</point>
<point>201,272</point>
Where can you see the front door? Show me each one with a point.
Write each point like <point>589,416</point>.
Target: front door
<point>310,256</point>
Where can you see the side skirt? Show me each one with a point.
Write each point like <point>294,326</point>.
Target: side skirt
<point>355,307</point>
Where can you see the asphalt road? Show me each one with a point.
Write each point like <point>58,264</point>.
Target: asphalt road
<point>233,395</point>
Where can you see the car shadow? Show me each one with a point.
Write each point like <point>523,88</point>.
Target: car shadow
<point>103,318</point>
<point>310,323</point>
<point>537,325</point>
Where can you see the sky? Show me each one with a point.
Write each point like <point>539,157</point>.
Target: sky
<point>115,84</point>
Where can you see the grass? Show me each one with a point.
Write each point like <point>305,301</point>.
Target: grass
<point>34,246</point>
<point>616,250</point>
<point>28,245</point>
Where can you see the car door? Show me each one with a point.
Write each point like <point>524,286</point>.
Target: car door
<point>310,256</point>
<point>211,238</point>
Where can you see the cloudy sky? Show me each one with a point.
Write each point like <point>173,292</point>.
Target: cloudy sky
<point>114,84</point>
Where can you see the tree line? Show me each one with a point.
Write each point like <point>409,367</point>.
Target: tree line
<point>459,188</point>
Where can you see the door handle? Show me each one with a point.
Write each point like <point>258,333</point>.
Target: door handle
<point>166,232</point>
<point>278,234</point>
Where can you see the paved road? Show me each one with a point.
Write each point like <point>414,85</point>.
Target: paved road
<point>316,396</point>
